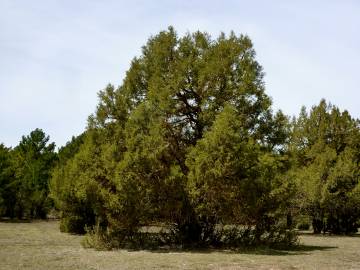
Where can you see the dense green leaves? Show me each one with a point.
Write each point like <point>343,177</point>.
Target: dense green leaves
<point>326,144</point>
<point>24,176</point>
<point>7,189</point>
<point>33,160</point>
<point>191,119</point>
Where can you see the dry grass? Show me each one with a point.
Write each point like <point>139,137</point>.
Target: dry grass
<point>40,245</point>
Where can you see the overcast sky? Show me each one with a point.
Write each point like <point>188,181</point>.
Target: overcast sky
<point>56,55</point>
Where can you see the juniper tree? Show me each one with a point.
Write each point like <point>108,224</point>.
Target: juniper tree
<point>136,157</point>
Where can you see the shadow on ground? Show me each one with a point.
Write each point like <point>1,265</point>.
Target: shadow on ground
<point>327,234</point>
<point>12,220</point>
<point>295,250</point>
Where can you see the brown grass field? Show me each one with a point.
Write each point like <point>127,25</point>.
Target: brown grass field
<point>40,245</point>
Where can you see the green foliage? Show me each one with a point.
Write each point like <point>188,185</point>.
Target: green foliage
<point>6,188</point>
<point>190,121</point>
<point>32,162</point>
<point>73,187</point>
<point>232,180</point>
<point>215,163</point>
<point>341,195</point>
<point>70,149</point>
<point>24,176</point>
<point>326,144</point>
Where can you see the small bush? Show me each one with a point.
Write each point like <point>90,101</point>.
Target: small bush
<point>246,237</point>
<point>97,239</point>
<point>102,239</point>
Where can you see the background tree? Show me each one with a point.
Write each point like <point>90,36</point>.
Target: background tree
<point>33,160</point>
<point>7,200</point>
<point>325,144</point>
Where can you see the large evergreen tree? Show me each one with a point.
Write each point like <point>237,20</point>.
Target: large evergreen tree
<point>191,116</point>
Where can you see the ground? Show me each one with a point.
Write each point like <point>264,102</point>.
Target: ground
<point>40,245</point>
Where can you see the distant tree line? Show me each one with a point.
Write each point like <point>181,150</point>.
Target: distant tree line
<point>189,145</point>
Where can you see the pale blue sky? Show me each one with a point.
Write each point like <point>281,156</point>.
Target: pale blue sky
<point>56,55</point>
